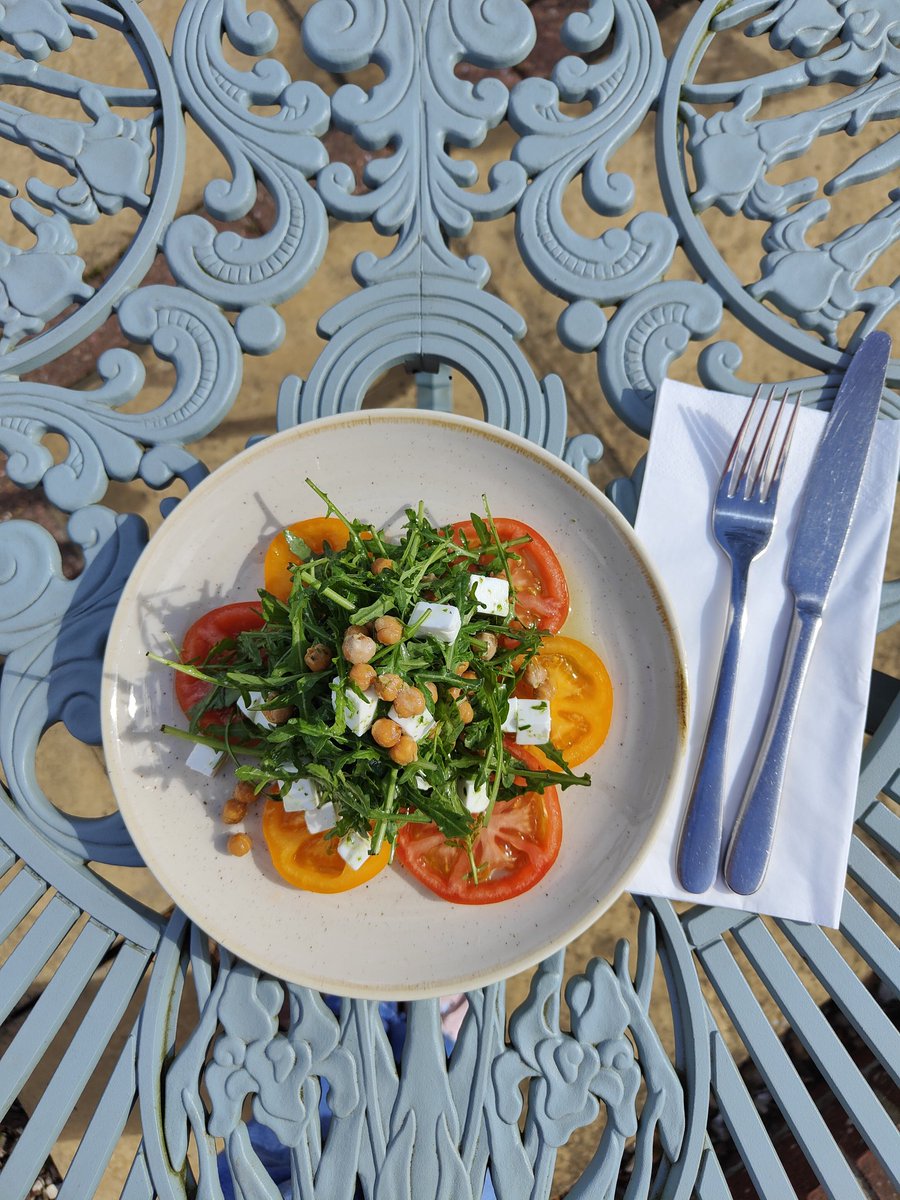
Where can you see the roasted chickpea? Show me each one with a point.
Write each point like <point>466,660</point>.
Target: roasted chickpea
<point>382,564</point>
<point>278,716</point>
<point>362,675</point>
<point>357,647</point>
<point>409,702</point>
<point>388,630</point>
<point>461,668</point>
<point>386,732</point>
<point>536,673</point>
<point>466,711</point>
<point>486,644</point>
<point>546,690</point>
<point>239,845</point>
<point>405,751</point>
<point>244,792</point>
<point>388,687</point>
<point>233,811</point>
<point>318,657</point>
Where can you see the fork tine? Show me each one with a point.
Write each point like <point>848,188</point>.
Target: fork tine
<point>785,445</point>
<point>735,485</point>
<point>739,436</point>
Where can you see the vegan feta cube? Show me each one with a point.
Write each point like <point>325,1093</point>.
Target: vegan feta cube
<point>255,715</point>
<point>491,595</point>
<point>416,727</point>
<point>442,621</point>
<point>301,796</point>
<point>512,716</point>
<point>204,760</point>
<point>359,713</point>
<point>320,819</point>
<point>421,782</point>
<point>354,849</point>
<point>475,799</point>
<point>533,722</point>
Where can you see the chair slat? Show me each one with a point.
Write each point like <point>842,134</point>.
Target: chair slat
<point>105,1127</point>
<point>745,1125</point>
<point>854,1000</point>
<point>32,953</point>
<point>138,1185</point>
<point>871,942</point>
<point>780,1074</point>
<point>879,880</point>
<point>823,1045</point>
<point>51,1009</point>
<point>18,899</point>
<point>75,1068</point>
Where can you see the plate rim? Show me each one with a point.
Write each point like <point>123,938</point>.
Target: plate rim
<point>529,449</point>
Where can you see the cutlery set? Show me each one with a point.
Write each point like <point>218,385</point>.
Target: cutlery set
<point>743,517</point>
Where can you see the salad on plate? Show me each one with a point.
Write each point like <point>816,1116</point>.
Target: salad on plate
<point>407,699</point>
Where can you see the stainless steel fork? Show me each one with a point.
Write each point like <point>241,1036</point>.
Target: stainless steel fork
<point>743,517</point>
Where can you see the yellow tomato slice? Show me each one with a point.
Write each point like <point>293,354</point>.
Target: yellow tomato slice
<point>310,860</point>
<point>315,532</point>
<point>581,705</point>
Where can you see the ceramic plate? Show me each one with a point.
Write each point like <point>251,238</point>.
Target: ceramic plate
<point>390,938</point>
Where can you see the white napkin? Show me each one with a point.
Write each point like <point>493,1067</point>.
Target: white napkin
<point>692,433</point>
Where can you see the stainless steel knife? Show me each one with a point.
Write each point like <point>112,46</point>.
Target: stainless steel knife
<point>826,510</point>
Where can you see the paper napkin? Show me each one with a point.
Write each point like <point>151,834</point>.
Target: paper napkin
<point>692,433</point>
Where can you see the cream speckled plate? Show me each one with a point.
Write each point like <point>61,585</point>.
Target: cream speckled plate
<point>390,938</point>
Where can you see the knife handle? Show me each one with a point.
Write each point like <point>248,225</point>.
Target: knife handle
<point>754,831</point>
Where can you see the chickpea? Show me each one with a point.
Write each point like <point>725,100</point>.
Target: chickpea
<point>244,792</point>
<point>318,657</point>
<point>388,630</point>
<point>432,691</point>
<point>239,845</point>
<point>486,644</point>
<point>406,751</point>
<point>233,811</point>
<point>362,675</point>
<point>536,673</point>
<point>466,712</point>
<point>454,693</point>
<point>382,564</point>
<point>357,647</point>
<point>546,691</point>
<point>461,668</point>
<point>386,732</point>
<point>278,716</point>
<point>388,687</point>
<point>468,675</point>
<point>410,702</point>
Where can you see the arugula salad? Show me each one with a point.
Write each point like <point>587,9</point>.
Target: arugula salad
<point>404,698</point>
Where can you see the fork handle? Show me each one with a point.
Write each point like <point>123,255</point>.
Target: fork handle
<point>701,834</point>
<point>754,831</point>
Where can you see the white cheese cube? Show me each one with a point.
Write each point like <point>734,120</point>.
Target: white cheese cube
<point>301,796</point>
<point>320,819</point>
<point>475,799</point>
<point>255,715</point>
<point>358,713</point>
<point>442,621</point>
<point>511,720</point>
<point>204,760</point>
<point>354,849</point>
<point>491,595</point>
<point>533,725</point>
<point>416,727</point>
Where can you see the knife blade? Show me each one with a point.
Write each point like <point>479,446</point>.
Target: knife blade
<point>826,510</point>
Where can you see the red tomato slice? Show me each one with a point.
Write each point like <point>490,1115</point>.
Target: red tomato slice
<point>516,849</point>
<point>542,594</point>
<point>225,622</point>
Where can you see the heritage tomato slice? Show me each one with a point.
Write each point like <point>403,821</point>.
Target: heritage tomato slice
<point>315,531</point>
<point>581,704</point>
<point>539,582</point>
<point>513,852</point>
<point>205,634</point>
<point>310,861</point>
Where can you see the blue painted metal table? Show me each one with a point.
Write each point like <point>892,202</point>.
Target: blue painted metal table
<point>734,149</point>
